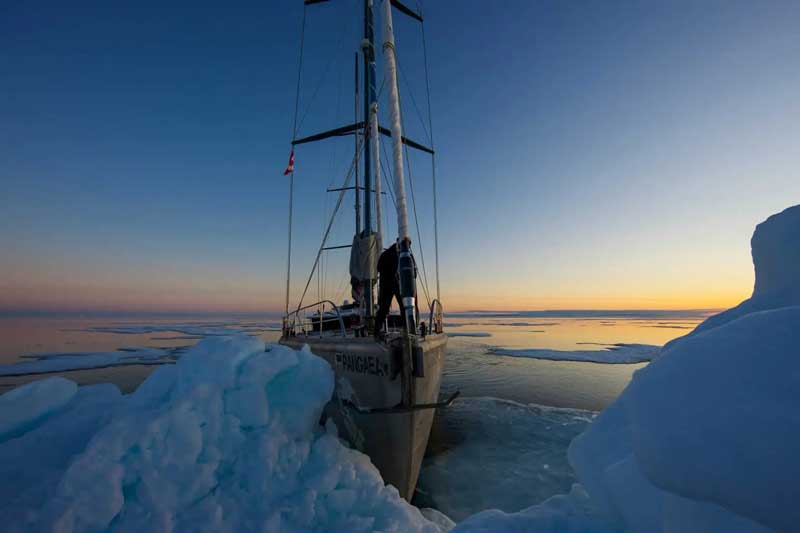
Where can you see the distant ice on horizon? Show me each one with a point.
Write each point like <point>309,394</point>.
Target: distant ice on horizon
<point>48,363</point>
<point>619,353</point>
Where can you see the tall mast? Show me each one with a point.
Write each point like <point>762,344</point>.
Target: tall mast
<point>355,120</point>
<point>368,49</point>
<point>406,267</point>
<point>390,77</point>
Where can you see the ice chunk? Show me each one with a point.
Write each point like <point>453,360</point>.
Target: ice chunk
<point>613,353</point>
<point>23,407</point>
<point>775,248</point>
<point>438,518</point>
<point>32,463</point>
<point>226,440</point>
<point>709,431</point>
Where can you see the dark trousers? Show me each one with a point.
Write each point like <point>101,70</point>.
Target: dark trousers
<point>385,295</point>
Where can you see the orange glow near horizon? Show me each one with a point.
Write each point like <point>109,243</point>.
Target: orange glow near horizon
<point>256,299</point>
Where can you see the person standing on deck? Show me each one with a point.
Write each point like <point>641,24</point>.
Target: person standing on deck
<point>389,285</point>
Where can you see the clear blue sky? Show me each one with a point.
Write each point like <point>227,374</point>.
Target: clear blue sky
<point>591,154</point>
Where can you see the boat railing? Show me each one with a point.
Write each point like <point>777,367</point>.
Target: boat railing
<point>298,323</point>
<point>436,321</point>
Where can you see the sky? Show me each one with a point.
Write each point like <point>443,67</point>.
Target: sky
<point>590,154</point>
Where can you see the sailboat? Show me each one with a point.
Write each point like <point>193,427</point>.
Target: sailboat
<point>387,384</point>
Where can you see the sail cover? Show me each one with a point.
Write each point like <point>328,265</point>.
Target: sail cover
<point>364,256</point>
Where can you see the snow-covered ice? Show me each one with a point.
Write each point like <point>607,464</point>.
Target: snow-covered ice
<point>775,248</point>
<point>612,353</point>
<point>61,362</point>
<point>225,439</point>
<point>705,438</point>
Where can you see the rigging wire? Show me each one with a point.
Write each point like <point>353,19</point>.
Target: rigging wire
<point>414,208</point>
<point>291,177</point>
<point>334,59</point>
<point>404,78</point>
<point>419,235</point>
<point>433,156</point>
<point>330,223</point>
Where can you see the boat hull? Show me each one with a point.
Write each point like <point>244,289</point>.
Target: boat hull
<point>369,375</point>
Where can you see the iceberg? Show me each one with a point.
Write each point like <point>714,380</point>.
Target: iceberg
<point>227,439</point>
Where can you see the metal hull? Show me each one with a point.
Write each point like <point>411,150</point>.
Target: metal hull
<point>369,374</point>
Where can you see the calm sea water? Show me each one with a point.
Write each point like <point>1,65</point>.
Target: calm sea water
<point>503,446</point>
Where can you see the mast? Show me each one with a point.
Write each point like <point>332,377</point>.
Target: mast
<point>368,49</point>
<point>406,267</point>
<point>373,132</point>
<point>358,198</point>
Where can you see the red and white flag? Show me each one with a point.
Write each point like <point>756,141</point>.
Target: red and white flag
<point>290,168</point>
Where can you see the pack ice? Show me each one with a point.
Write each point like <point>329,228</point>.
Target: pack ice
<point>228,439</point>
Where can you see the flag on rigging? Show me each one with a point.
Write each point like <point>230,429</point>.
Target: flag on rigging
<point>290,168</point>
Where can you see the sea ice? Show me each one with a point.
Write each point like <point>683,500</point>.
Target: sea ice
<point>469,334</point>
<point>194,329</point>
<point>707,432</point>
<point>25,405</point>
<point>512,455</point>
<point>227,439</point>
<point>61,362</point>
<point>703,439</point>
<point>613,353</point>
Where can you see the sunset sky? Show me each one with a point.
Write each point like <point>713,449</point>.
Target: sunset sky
<point>591,154</point>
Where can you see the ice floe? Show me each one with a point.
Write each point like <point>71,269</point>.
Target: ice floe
<point>612,353</point>
<point>61,362</point>
<point>469,334</point>
<point>192,329</point>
